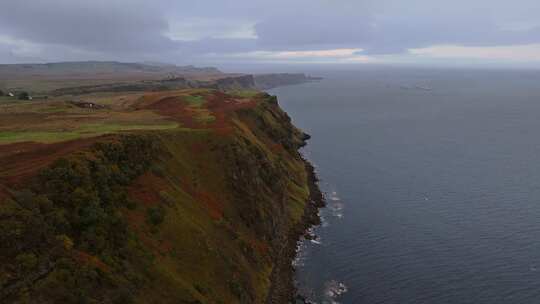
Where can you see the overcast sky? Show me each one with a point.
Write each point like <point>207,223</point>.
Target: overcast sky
<point>216,32</point>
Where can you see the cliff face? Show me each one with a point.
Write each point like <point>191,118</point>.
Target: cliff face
<point>244,82</point>
<point>235,82</point>
<point>192,215</point>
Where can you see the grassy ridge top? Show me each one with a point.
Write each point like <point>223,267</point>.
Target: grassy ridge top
<point>63,118</point>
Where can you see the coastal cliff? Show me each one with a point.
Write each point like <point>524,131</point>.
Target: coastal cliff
<point>207,212</point>
<point>80,78</point>
<point>225,82</point>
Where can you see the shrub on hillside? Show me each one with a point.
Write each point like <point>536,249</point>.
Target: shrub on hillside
<point>69,226</point>
<point>23,96</point>
<point>155,215</point>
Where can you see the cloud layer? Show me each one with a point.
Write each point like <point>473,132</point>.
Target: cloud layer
<point>226,30</point>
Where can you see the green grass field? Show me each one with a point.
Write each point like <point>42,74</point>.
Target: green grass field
<point>87,130</point>
<point>195,101</point>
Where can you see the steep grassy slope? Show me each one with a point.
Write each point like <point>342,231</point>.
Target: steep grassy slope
<point>205,213</point>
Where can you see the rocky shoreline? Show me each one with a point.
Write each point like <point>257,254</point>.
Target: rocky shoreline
<point>283,289</point>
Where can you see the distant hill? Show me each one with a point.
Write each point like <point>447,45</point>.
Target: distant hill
<point>94,68</point>
<point>46,77</point>
<point>111,76</point>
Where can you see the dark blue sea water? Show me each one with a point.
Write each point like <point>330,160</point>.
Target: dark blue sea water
<point>433,185</point>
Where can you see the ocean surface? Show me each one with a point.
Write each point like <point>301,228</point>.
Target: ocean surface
<point>432,178</point>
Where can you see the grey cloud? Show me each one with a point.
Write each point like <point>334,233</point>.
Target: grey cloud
<point>6,53</point>
<point>137,29</point>
<point>392,29</point>
<point>108,26</point>
<point>213,45</point>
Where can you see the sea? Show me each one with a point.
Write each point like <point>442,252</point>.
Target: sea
<point>432,182</point>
